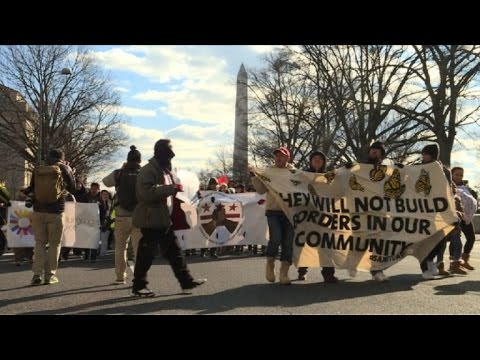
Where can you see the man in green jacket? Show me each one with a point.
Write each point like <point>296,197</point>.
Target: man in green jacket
<point>156,188</point>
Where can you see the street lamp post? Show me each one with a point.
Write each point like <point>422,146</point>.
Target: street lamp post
<point>42,119</point>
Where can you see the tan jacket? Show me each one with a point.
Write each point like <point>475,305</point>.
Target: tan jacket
<point>270,203</point>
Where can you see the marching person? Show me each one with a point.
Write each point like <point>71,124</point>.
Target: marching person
<point>156,186</point>
<point>469,201</point>
<point>125,180</point>
<point>48,185</point>
<point>318,161</point>
<point>280,228</point>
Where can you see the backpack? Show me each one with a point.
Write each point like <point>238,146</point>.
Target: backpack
<point>125,183</point>
<point>48,183</point>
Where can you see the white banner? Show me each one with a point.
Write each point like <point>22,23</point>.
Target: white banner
<point>219,219</point>
<point>81,226</point>
<point>365,217</point>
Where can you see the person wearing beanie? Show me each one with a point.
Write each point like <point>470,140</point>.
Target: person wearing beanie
<point>134,155</point>
<point>56,155</point>
<point>156,188</point>
<point>125,200</point>
<point>318,162</point>
<point>432,153</point>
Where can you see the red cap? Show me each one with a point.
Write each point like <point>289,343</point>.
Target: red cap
<point>282,150</point>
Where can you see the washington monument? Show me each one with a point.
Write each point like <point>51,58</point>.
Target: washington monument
<point>240,145</point>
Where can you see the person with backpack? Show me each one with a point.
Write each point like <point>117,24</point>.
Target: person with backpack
<point>156,188</point>
<point>125,200</point>
<point>48,186</point>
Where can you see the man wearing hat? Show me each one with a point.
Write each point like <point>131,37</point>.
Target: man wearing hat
<point>280,228</point>
<point>124,180</point>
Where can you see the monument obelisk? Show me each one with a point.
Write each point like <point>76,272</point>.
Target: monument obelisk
<point>240,144</point>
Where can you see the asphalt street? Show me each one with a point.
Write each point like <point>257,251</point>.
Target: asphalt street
<point>236,285</point>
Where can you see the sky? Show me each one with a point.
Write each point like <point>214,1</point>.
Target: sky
<point>187,94</point>
<point>184,93</point>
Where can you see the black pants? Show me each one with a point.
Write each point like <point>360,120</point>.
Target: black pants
<point>469,233</point>
<point>326,271</point>
<point>169,247</point>
<point>435,251</point>
<point>3,242</point>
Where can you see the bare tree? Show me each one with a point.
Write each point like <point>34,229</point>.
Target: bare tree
<point>447,75</point>
<point>362,84</point>
<point>282,110</point>
<point>57,96</point>
<point>220,164</point>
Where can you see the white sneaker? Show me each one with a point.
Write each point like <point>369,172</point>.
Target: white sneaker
<point>432,268</point>
<point>427,275</point>
<point>379,277</point>
<point>352,272</point>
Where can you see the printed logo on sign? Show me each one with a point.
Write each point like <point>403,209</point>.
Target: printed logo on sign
<point>20,223</point>
<point>219,219</point>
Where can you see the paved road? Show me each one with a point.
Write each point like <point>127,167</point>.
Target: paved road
<point>236,286</point>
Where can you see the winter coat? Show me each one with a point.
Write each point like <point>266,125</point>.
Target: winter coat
<point>152,211</point>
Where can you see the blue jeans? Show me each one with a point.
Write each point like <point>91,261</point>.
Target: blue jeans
<point>281,233</point>
<point>455,247</point>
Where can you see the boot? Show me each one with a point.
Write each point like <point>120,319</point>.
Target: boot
<point>284,279</point>
<point>466,265</point>
<point>328,275</point>
<point>455,268</point>
<point>441,270</point>
<point>270,269</point>
<point>302,273</point>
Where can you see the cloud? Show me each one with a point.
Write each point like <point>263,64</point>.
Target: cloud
<point>121,89</point>
<point>467,157</point>
<point>193,83</point>
<point>130,111</point>
<point>163,63</point>
<point>201,105</point>
<point>263,49</point>
<point>193,146</point>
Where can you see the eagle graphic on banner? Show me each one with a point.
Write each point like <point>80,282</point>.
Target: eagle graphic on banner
<point>215,213</point>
